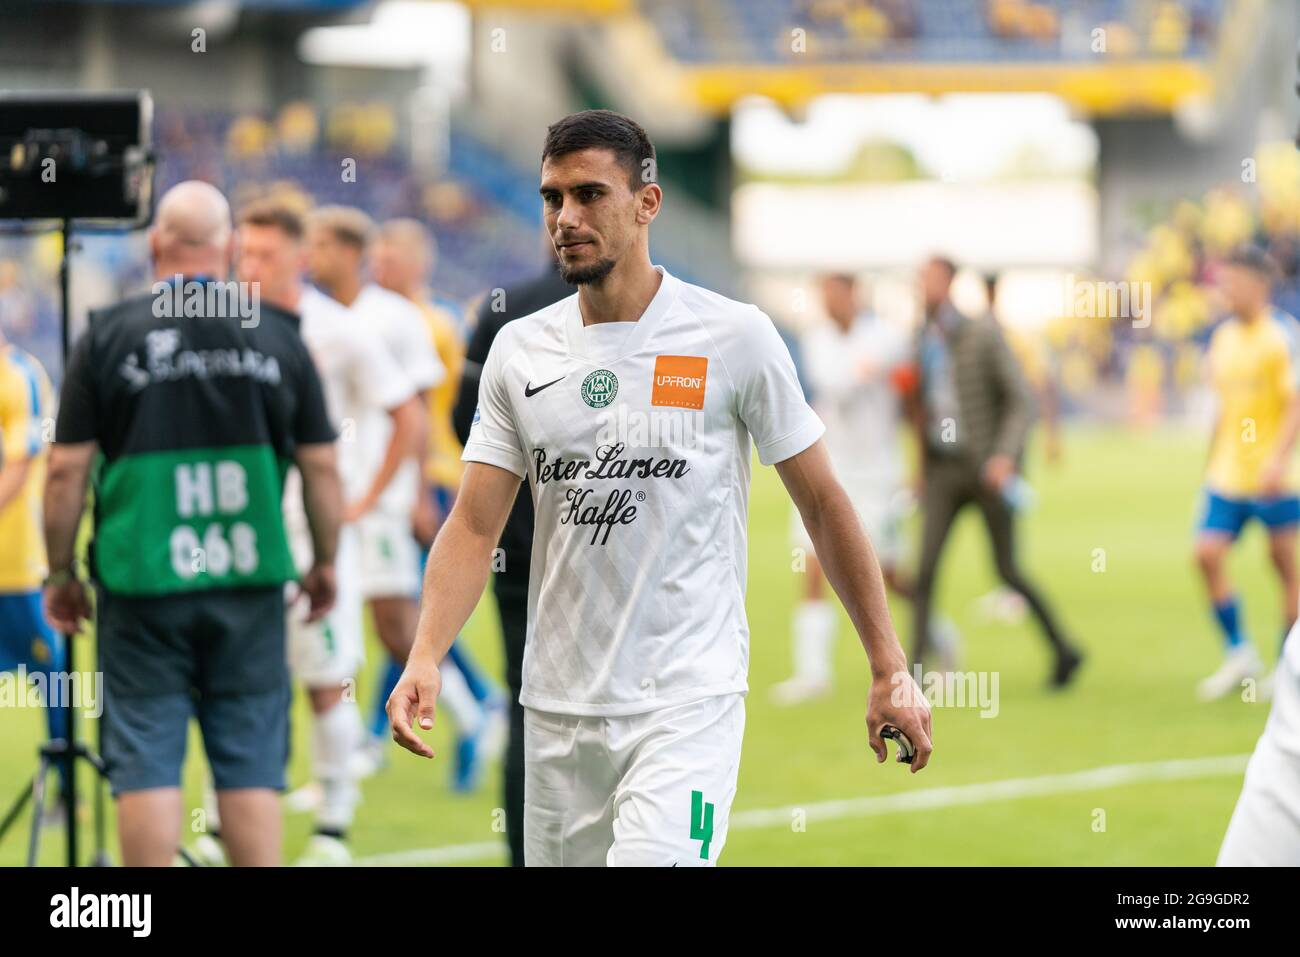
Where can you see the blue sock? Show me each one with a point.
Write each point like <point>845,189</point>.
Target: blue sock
<point>379,722</point>
<point>1230,621</point>
<point>58,718</point>
<point>462,659</point>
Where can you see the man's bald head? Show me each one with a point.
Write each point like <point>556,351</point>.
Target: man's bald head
<point>192,232</point>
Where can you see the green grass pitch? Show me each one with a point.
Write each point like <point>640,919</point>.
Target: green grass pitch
<point>1143,621</point>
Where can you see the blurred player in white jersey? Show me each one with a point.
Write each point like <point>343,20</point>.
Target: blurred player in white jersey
<point>402,261</point>
<point>362,382</point>
<point>633,408</point>
<point>338,240</point>
<point>1265,826</point>
<point>855,365</point>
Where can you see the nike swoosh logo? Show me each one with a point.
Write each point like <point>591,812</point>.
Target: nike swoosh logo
<point>529,391</point>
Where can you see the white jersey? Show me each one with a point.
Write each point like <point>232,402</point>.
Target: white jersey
<point>851,378</point>
<point>636,441</point>
<point>360,379</point>
<point>400,328</point>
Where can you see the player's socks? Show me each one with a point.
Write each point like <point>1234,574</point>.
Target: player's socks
<point>379,716</point>
<point>479,686</point>
<point>459,700</point>
<point>471,723</point>
<point>814,637</point>
<point>336,734</point>
<point>1228,616</point>
<point>212,813</point>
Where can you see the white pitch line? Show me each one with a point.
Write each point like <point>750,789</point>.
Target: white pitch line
<point>1092,779</point>
<point>449,854</point>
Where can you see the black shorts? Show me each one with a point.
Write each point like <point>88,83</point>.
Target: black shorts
<point>218,656</point>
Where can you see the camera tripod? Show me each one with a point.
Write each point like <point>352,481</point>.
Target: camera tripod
<point>64,752</point>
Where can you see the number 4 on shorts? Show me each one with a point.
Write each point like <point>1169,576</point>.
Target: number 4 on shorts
<point>701,822</point>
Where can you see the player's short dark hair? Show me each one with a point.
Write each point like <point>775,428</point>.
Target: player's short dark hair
<point>273,212</point>
<point>607,130</point>
<point>1254,257</point>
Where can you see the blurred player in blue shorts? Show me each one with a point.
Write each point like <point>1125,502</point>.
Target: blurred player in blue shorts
<point>1252,367</point>
<point>27,642</point>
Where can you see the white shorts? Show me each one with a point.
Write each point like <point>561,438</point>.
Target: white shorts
<point>652,789</point>
<point>389,559</point>
<point>877,506</point>
<point>1265,827</point>
<point>329,651</point>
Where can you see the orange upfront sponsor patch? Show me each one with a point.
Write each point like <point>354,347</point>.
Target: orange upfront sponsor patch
<point>679,381</point>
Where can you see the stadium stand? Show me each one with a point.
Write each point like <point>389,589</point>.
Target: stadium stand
<point>937,31</point>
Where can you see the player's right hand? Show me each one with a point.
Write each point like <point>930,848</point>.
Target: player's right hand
<point>414,699</point>
<point>318,585</point>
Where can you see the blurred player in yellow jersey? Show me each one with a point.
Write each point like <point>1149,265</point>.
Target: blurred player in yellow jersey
<point>27,643</point>
<point>1252,369</point>
<point>403,258</point>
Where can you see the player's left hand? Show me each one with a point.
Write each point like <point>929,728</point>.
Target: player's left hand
<point>352,511</point>
<point>424,519</point>
<point>898,700</point>
<point>1270,480</point>
<point>66,605</point>
<point>998,471</point>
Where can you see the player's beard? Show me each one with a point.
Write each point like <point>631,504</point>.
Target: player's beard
<point>592,275</point>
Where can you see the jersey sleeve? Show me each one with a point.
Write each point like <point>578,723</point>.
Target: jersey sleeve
<point>768,397</point>
<point>77,420</point>
<point>494,437</point>
<point>415,352</point>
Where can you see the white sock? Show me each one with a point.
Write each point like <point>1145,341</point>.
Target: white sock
<point>458,699</point>
<point>814,640</point>
<point>336,736</point>
<point>213,815</point>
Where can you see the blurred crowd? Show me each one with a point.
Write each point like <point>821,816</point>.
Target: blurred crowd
<point>1177,264</point>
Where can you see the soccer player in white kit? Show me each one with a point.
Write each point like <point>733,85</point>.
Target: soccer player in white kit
<point>361,382</point>
<point>630,408</point>
<point>338,238</point>
<point>1265,826</point>
<point>853,364</point>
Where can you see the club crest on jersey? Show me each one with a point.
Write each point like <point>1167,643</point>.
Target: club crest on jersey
<point>599,388</point>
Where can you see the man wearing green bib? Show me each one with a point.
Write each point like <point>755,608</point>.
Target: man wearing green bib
<point>186,407</point>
